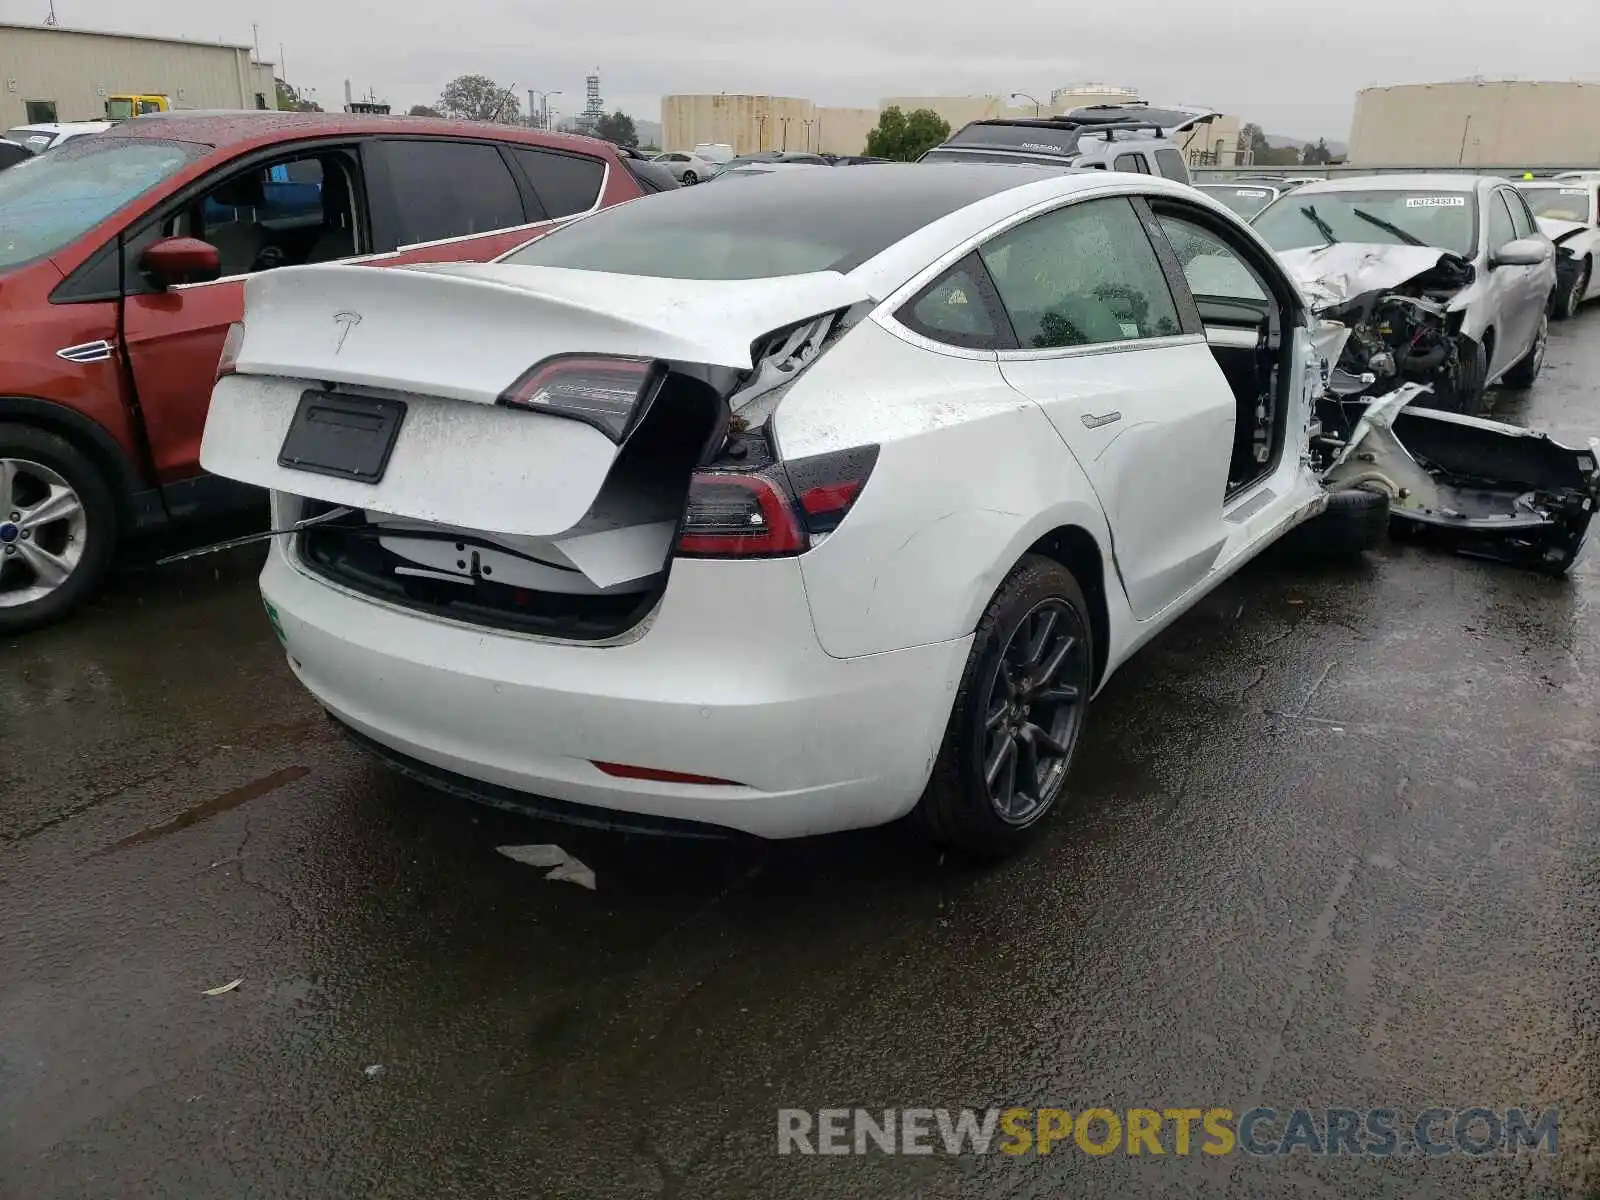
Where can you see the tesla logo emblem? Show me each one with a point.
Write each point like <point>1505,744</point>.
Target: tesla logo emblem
<point>346,321</point>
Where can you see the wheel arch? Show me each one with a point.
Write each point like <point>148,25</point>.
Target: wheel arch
<point>88,436</point>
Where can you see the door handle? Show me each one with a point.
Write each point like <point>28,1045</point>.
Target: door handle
<point>1090,421</point>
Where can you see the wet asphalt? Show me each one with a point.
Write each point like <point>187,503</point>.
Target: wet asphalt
<point>1334,840</point>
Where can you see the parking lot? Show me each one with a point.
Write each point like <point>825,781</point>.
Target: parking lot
<point>1332,842</point>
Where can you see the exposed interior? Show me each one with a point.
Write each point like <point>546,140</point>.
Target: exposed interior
<point>1406,334</point>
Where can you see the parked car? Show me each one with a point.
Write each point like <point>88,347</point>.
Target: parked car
<point>1134,138</point>
<point>650,175</point>
<point>785,508</point>
<point>1245,199</point>
<point>122,265</point>
<point>1568,211</point>
<point>686,168</point>
<point>1445,279</point>
<point>47,136</point>
<point>753,170</point>
<point>713,152</point>
<point>791,157</point>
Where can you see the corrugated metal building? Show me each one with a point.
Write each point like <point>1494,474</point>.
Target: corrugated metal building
<point>1477,122</point>
<point>751,123</point>
<point>48,73</point>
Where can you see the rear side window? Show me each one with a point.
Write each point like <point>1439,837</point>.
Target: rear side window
<point>1170,163</point>
<point>1130,162</point>
<point>1082,275</point>
<point>451,189</point>
<point>566,183</point>
<point>960,308</point>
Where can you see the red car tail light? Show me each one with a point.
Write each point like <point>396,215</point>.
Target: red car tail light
<point>772,511</point>
<point>610,392</point>
<point>229,360</point>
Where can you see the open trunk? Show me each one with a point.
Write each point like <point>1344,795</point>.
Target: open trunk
<point>512,447</point>
<point>1482,487</point>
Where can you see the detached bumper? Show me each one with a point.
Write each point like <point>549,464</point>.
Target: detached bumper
<point>727,682</point>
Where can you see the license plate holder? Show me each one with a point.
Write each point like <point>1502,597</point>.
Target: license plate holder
<point>349,437</point>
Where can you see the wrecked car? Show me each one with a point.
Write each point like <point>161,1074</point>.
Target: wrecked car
<point>1568,211</point>
<point>800,506</point>
<point>1442,280</point>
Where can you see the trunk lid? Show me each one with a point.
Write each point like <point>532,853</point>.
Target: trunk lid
<point>445,341</point>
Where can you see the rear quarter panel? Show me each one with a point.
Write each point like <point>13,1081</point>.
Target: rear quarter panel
<point>970,474</point>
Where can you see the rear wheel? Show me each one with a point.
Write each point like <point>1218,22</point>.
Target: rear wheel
<point>1568,298</point>
<point>690,177</point>
<point>57,527</point>
<point>1017,717</point>
<point>1527,368</point>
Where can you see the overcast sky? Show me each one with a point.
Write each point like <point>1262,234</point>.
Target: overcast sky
<point>1292,65</point>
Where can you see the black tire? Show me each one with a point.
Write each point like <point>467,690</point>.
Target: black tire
<point>1002,700</point>
<point>42,449</point>
<point>1354,522</point>
<point>689,178</point>
<point>1472,378</point>
<point>1526,369</point>
<point>1568,299</point>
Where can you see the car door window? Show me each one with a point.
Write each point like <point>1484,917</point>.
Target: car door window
<point>287,213</point>
<point>1130,162</point>
<point>1081,275</point>
<point>1501,228</point>
<point>451,189</point>
<point>1521,217</point>
<point>1170,163</point>
<point>1211,267</point>
<point>960,308</point>
<point>565,183</point>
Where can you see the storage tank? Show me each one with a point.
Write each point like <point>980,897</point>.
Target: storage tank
<point>1507,123</point>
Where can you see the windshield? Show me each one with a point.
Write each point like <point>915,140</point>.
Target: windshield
<point>1560,204</point>
<point>119,110</point>
<point>777,223</point>
<point>51,199</point>
<point>1246,201</point>
<point>1386,217</point>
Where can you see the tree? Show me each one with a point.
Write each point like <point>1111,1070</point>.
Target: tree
<point>1318,155</point>
<point>422,110</point>
<point>906,138</point>
<point>479,98</point>
<point>290,99</point>
<point>617,129</point>
<point>1253,142</point>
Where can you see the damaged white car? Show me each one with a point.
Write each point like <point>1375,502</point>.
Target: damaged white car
<point>1443,280</point>
<point>1568,211</point>
<point>793,507</point>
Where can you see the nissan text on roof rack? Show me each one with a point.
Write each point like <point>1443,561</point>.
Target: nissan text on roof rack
<point>796,506</point>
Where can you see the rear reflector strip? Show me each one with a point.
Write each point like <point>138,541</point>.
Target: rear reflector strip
<point>655,775</point>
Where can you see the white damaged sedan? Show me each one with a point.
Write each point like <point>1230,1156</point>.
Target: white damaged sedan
<point>791,507</point>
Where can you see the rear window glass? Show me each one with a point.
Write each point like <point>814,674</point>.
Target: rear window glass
<point>1170,163</point>
<point>1035,139</point>
<point>48,201</point>
<point>775,223</point>
<point>1560,203</point>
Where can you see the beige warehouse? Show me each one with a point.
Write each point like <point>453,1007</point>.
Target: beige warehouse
<point>1476,123</point>
<point>54,74</point>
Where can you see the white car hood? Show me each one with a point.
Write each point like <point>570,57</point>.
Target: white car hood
<point>1330,275</point>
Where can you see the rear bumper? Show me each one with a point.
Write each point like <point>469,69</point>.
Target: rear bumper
<point>726,681</point>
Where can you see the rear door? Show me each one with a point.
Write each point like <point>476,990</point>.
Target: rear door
<point>1127,380</point>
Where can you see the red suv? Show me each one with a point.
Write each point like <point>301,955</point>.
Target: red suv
<point>122,265</point>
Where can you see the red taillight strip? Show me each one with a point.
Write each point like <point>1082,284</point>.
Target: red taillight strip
<point>656,775</point>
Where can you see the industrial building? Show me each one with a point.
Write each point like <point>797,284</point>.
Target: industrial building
<point>56,74</point>
<point>1477,123</point>
<point>750,123</point>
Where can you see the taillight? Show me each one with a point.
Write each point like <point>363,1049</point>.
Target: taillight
<point>774,511</point>
<point>610,392</point>
<point>230,350</point>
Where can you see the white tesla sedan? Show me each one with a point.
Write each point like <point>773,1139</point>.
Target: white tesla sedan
<point>788,507</point>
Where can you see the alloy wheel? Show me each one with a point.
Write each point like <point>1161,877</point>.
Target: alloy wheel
<point>1034,711</point>
<point>43,531</point>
